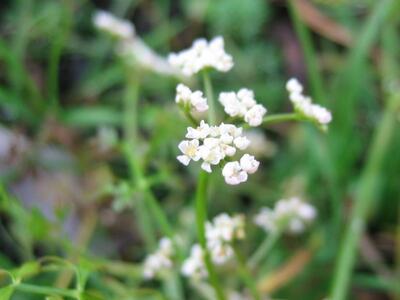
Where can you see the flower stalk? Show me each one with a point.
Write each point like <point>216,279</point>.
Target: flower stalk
<point>246,274</point>
<point>201,218</point>
<point>264,249</point>
<point>212,113</point>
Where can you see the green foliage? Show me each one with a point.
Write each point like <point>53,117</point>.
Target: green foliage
<point>242,20</point>
<point>100,208</point>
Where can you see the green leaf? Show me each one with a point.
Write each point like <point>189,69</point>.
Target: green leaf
<point>6,292</point>
<point>92,116</point>
<point>26,270</point>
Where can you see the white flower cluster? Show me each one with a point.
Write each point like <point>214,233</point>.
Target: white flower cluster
<point>220,233</point>
<point>202,55</point>
<point>303,104</point>
<point>288,214</point>
<point>236,172</point>
<point>130,46</point>
<point>242,104</point>
<point>213,144</point>
<point>194,265</point>
<point>159,260</point>
<point>119,28</point>
<point>194,100</point>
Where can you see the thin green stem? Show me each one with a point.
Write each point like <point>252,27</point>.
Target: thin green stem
<point>212,113</point>
<point>34,289</point>
<point>263,249</point>
<point>149,203</point>
<point>245,273</point>
<point>364,198</point>
<point>278,118</point>
<point>190,117</point>
<point>130,151</point>
<point>201,218</point>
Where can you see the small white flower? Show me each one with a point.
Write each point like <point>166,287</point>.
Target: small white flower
<point>220,233</point>
<point>293,86</point>
<point>241,142</point>
<point>195,100</point>
<point>242,104</point>
<point>200,132</point>
<point>194,265</point>
<point>231,104</point>
<point>233,173</point>
<point>159,260</point>
<point>303,104</point>
<point>288,214</point>
<point>202,55</point>
<point>112,25</point>
<point>254,116</point>
<point>190,150</point>
<point>249,164</point>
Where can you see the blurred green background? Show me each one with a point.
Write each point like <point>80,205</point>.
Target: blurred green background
<point>65,186</point>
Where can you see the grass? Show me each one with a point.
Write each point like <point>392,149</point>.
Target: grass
<point>61,81</point>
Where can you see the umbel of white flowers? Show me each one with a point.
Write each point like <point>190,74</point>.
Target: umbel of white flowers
<point>202,55</point>
<point>130,46</point>
<point>212,144</point>
<point>290,215</point>
<point>304,106</point>
<point>220,234</point>
<point>194,101</point>
<point>242,104</point>
<point>160,260</point>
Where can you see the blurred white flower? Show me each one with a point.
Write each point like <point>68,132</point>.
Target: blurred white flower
<point>202,55</point>
<point>220,233</point>
<point>303,104</point>
<point>249,164</point>
<point>259,145</point>
<point>160,260</point>
<point>130,46</point>
<point>293,86</point>
<point>194,100</point>
<point>194,265</point>
<point>290,215</point>
<point>242,104</point>
<point>117,27</point>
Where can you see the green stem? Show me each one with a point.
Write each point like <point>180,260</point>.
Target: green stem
<point>34,289</point>
<point>190,117</point>
<point>130,150</point>
<point>201,218</point>
<point>212,114</point>
<point>278,118</point>
<point>245,274</point>
<point>263,249</point>
<point>364,198</point>
<point>149,203</point>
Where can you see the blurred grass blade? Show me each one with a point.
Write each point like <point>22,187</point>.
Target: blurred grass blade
<point>6,292</point>
<point>365,195</point>
<point>91,116</point>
